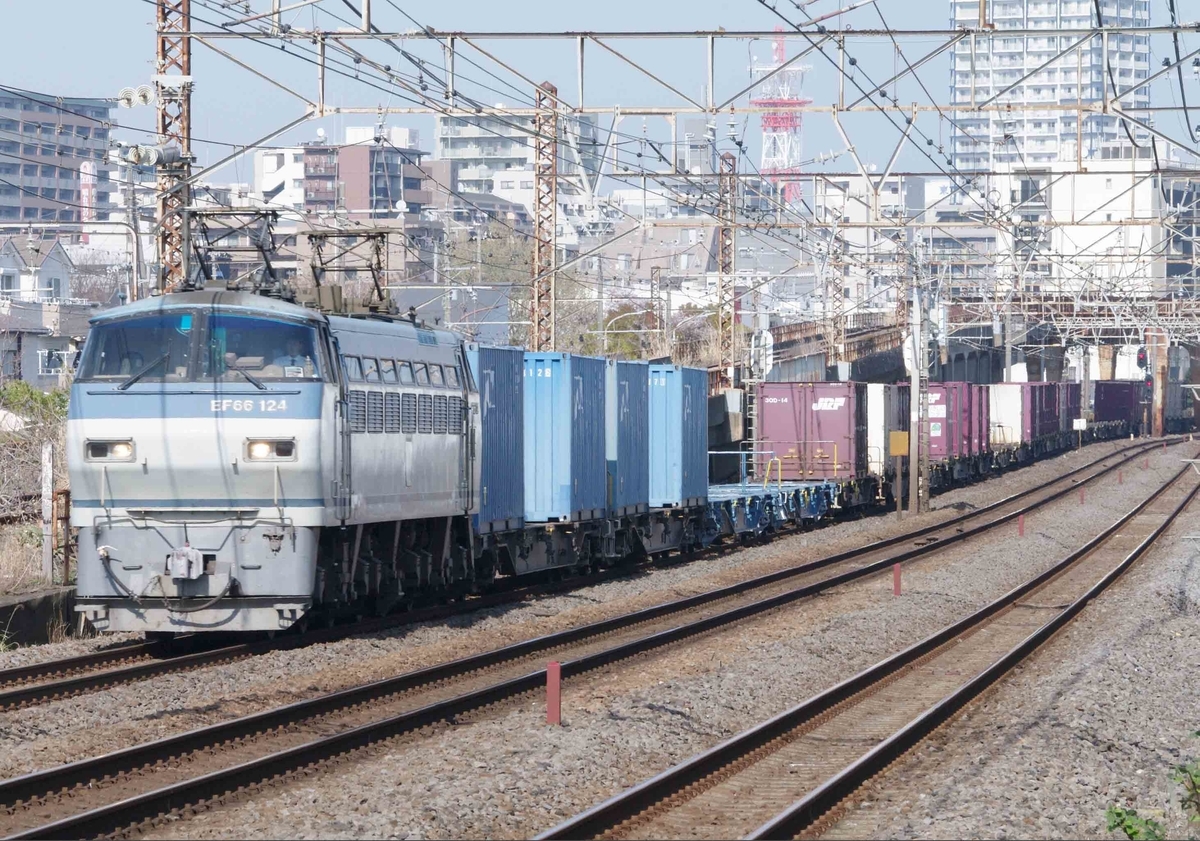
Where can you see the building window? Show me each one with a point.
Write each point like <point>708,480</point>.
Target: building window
<point>506,185</point>
<point>50,363</point>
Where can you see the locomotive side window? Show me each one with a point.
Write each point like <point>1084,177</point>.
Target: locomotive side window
<point>435,375</point>
<point>452,378</point>
<point>406,374</point>
<point>370,369</point>
<point>353,368</point>
<point>387,369</point>
<point>422,373</point>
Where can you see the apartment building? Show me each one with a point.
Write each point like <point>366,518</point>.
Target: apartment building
<point>44,143</point>
<point>994,68</point>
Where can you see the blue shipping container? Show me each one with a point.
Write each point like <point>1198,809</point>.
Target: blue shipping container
<point>678,435</point>
<point>626,443</point>
<point>565,473</point>
<point>498,373</point>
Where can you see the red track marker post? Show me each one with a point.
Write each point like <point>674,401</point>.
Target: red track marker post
<point>1081,492</point>
<point>895,579</point>
<point>1020,525</point>
<point>1120,478</point>
<point>1145,464</point>
<point>553,693</point>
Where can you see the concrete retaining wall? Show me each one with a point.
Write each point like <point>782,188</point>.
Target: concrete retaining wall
<point>32,618</point>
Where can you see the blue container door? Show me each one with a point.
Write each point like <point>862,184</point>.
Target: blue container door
<point>626,442</point>
<point>589,474</point>
<point>694,408</point>
<point>499,375</point>
<point>667,433</point>
<point>547,436</point>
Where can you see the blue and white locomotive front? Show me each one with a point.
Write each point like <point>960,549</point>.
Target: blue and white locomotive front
<point>200,466</point>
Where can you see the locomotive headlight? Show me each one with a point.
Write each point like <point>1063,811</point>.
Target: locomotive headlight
<point>109,450</point>
<point>271,450</point>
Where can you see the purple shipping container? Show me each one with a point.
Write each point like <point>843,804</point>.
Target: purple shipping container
<point>1047,398</point>
<point>949,421</point>
<point>966,418</point>
<point>1068,405</point>
<point>816,430</point>
<point>977,439</point>
<point>1118,400</point>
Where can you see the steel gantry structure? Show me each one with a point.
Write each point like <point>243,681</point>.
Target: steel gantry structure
<point>874,92</point>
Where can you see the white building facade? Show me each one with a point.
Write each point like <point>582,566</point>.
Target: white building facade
<point>984,68</point>
<point>482,148</point>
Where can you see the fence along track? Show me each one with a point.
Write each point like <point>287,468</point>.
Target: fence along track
<point>270,744</point>
<point>808,759</point>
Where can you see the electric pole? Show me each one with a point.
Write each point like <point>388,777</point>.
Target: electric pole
<point>726,265</point>
<point>174,88</point>
<point>545,218</point>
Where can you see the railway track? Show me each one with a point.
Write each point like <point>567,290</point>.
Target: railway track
<point>56,679</point>
<point>788,776</point>
<point>110,792</point>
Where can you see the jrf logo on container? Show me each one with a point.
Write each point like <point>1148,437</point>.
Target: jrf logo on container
<point>828,404</point>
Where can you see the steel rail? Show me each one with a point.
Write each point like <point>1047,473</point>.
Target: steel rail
<point>176,661</point>
<point>22,691</point>
<point>608,815</point>
<point>33,787</point>
<point>18,675</point>
<point>804,812</point>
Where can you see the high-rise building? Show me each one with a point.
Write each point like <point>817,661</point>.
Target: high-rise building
<point>44,143</point>
<point>995,66</point>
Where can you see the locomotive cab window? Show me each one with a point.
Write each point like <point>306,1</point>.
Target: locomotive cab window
<point>150,348</point>
<point>370,369</point>
<point>243,346</point>
<point>452,378</point>
<point>435,375</point>
<point>406,373</point>
<point>387,369</point>
<point>354,371</point>
<point>422,373</point>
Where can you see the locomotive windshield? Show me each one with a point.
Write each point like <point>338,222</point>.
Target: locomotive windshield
<point>264,348</point>
<point>187,347</point>
<point>159,347</point>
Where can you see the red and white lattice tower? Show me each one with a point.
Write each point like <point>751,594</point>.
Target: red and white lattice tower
<point>780,93</point>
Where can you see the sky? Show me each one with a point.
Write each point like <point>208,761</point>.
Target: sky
<point>96,47</point>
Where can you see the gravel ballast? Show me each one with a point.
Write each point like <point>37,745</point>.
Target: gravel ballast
<point>504,773</point>
<point>1099,717</point>
<point>88,725</point>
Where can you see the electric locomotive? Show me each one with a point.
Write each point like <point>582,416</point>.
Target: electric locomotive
<point>237,461</point>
